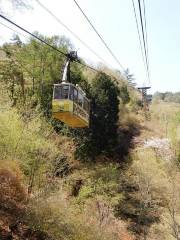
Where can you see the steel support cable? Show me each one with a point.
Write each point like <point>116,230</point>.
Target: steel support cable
<point>140,42</point>
<point>54,48</point>
<point>4,25</point>
<point>142,27</point>
<point>101,38</point>
<point>43,41</point>
<point>69,30</point>
<point>32,34</point>
<point>145,26</point>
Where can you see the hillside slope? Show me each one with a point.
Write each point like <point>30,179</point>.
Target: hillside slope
<point>116,180</point>
<point>46,193</point>
<point>79,205</point>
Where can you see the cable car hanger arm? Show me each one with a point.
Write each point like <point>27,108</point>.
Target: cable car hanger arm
<point>71,56</point>
<point>64,78</point>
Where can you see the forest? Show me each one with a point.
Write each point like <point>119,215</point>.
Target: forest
<point>167,97</point>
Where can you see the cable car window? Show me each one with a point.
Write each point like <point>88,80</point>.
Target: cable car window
<point>75,95</point>
<point>57,92</point>
<point>86,105</point>
<point>71,94</point>
<point>65,91</point>
<point>80,99</point>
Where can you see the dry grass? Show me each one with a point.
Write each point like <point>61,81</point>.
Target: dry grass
<point>13,194</point>
<point>62,218</point>
<point>156,177</point>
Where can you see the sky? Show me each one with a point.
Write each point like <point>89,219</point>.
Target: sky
<point>114,20</point>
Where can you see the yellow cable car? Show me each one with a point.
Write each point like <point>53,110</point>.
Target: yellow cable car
<point>70,104</point>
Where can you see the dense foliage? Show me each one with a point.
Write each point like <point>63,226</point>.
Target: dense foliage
<point>30,70</point>
<point>101,137</point>
<point>44,152</point>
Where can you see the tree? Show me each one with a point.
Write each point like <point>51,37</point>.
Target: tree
<point>124,94</point>
<point>15,4</point>
<point>105,107</point>
<point>130,78</point>
<point>41,67</point>
<point>101,137</point>
<point>16,40</point>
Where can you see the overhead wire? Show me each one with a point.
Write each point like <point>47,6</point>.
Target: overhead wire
<point>4,25</point>
<point>140,42</point>
<point>17,32</point>
<point>99,35</point>
<point>145,24</point>
<point>69,30</point>
<point>44,42</point>
<point>32,34</point>
<point>56,49</point>
<point>145,27</point>
<point>143,34</point>
<point>75,35</point>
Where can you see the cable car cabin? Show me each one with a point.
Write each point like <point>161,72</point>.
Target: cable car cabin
<point>70,105</point>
